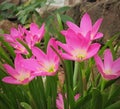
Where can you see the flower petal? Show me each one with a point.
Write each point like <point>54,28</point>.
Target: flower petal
<point>40,55</point>
<point>10,70</point>
<point>50,53</point>
<point>67,56</point>
<point>10,80</point>
<point>41,31</point>
<point>96,26</point>
<point>108,60</point>
<point>93,49</point>
<point>33,28</point>
<point>85,24</point>
<point>99,63</point>
<point>65,47</point>
<point>116,66</point>
<point>98,35</point>
<point>17,62</point>
<point>30,64</point>
<point>73,27</point>
<point>110,77</point>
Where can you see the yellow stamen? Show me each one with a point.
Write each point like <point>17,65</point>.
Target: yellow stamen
<point>22,76</point>
<point>108,71</point>
<point>79,54</point>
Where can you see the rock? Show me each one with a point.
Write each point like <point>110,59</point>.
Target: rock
<point>6,25</point>
<point>109,10</point>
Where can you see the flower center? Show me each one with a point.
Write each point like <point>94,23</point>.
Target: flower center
<point>51,68</point>
<point>79,54</point>
<point>22,76</point>
<point>108,71</point>
<point>47,67</point>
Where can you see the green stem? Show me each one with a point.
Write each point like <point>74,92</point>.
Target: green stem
<point>81,83</point>
<point>103,84</point>
<point>78,75</point>
<point>76,71</point>
<point>66,77</point>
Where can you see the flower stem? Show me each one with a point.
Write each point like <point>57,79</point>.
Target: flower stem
<point>78,75</point>
<point>76,71</point>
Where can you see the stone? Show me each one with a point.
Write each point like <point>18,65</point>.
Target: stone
<point>6,25</point>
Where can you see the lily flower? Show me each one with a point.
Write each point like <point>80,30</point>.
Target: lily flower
<point>85,27</point>
<point>12,39</point>
<point>19,74</point>
<point>35,34</point>
<point>45,64</point>
<point>77,47</point>
<point>109,69</point>
<point>15,34</point>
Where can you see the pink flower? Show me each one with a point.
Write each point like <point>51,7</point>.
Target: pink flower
<point>19,74</point>
<point>86,26</point>
<point>44,64</point>
<point>109,69</point>
<point>77,47</point>
<point>35,34</point>
<point>15,34</point>
<point>12,39</point>
<point>60,101</point>
<point>29,37</point>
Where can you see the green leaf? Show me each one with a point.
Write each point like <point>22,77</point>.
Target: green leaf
<point>62,9</point>
<point>25,105</point>
<point>96,102</point>
<point>5,56</point>
<point>115,105</point>
<point>65,18</point>
<point>113,94</point>
<point>82,101</point>
<point>8,47</point>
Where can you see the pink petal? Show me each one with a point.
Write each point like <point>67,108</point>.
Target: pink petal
<point>10,80</point>
<point>41,31</point>
<point>43,73</point>
<point>65,47</point>
<point>40,55</point>
<point>73,27</point>
<point>60,102</point>
<point>18,58</point>
<point>84,42</point>
<point>85,24</point>
<point>33,28</point>
<point>77,40</point>
<point>28,80</point>
<point>77,97</point>
<point>67,56</point>
<point>64,32</point>
<point>93,49</point>
<point>116,66</point>
<point>96,26</point>
<point>14,33</point>
<point>10,70</point>
<point>110,77</point>
<point>30,64</point>
<point>98,35</point>
<point>99,63</point>
<point>108,60</point>
<point>8,38</point>
<point>51,54</point>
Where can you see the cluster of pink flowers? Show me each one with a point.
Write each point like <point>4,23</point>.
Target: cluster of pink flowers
<point>30,37</point>
<point>79,46</point>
